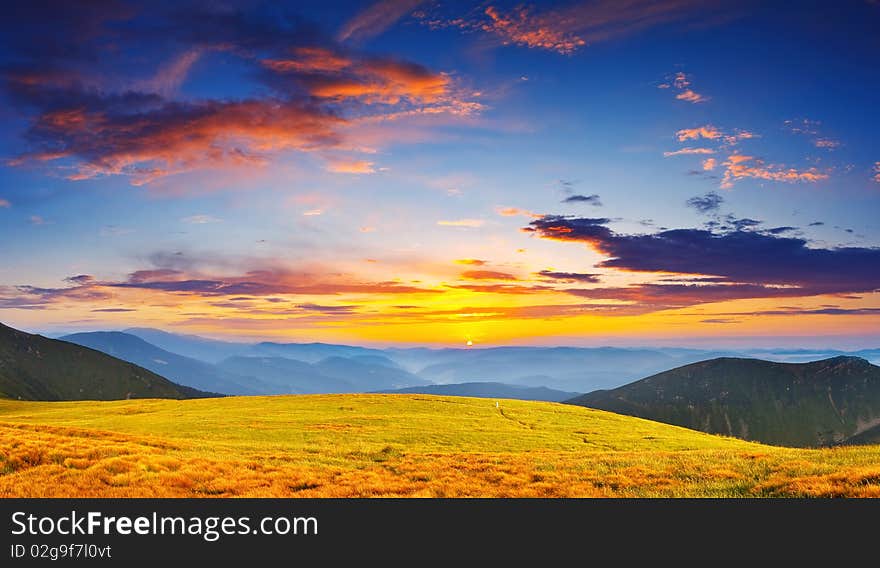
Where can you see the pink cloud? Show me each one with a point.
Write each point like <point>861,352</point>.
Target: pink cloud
<point>739,166</point>
<point>686,151</point>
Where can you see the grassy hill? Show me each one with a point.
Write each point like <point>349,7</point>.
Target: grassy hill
<point>822,403</point>
<point>33,367</point>
<point>489,390</point>
<point>368,445</point>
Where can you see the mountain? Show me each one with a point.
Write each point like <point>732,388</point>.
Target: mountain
<point>180,369</point>
<point>33,367</point>
<point>828,402</point>
<point>488,390</point>
<point>573,369</point>
<point>368,376</point>
<point>192,346</point>
<point>286,376</point>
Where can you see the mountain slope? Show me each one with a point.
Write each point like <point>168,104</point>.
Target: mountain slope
<point>33,367</point>
<point>821,403</point>
<point>489,390</point>
<point>183,370</point>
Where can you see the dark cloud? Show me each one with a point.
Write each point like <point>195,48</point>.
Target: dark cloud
<point>708,203</point>
<point>591,199</point>
<point>569,276</point>
<point>816,224</point>
<point>113,310</point>
<point>781,230</point>
<point>753,264</point>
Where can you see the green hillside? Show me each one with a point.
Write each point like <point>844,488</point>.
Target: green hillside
<point>823,403</point>
<point>33,367</point>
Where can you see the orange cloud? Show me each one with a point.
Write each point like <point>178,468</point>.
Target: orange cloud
<point>487,275</point>
<point>522,28</point>
<point>381,81</point>
<point>691,97</point>
<point>710,132</point>
<point>739,166</point>
<point>685,151</point>
<point>709,164</point>
<point>374,20</point>
<point>310,60</point>
<point>350,166</point>
<point>876,172</point>
<point>514,211</point>
<point>566,29</point>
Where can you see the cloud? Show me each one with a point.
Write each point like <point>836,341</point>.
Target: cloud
<point>91,112</point>
<point>487,275</point>
<point>5,204</point>
<point>802,126</point>
<point>569,277</point>
<point>593,199</point>
<point>739,166</point>
<point>738,256</point>
<point>351,166</point>
<point>113,310</point>
<point>708,203</point>
<point>38,220</point>
<point>688,151</point>
<point>313,213</point>
<point>514,211</point>
<point>201,219</point>
<point>373,21</point>
<point>471,261</point>
<point>566,29</point>
<point>828,311</point>
<point>708,131</point>
<point>826,143</point>
<point>681,82</point>
<point>470,223</point>
<point>876,176</point>
<point>515,289</point>
<point>170,76</point>
<point>691,97</point>
<point>709,164</point>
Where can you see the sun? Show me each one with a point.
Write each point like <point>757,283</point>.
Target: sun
<point>469,343</point>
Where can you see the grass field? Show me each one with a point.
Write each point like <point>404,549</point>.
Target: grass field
<point>394,445</point>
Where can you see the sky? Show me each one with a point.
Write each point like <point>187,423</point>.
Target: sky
<point>628,172</point>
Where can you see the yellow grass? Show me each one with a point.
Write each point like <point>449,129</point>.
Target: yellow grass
<point>394,445</point>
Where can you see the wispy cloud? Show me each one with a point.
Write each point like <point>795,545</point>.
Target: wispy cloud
<point>566,29</point>
<point>487,275</point>
<point>876,176</point>
<point>4,203</point>
<point>514,211</point>
<point>688,151</point>
<point>470,223</point>
<point>373,21</point>
<point>471,261</point>
<point>38,220</point>
<point>201,219</point>
<point>347,166</point>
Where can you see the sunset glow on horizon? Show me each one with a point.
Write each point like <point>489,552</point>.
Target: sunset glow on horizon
<point>444,174</point>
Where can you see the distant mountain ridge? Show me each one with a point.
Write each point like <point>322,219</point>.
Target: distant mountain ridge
<point>33,367</point>
<point>821,403</point>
